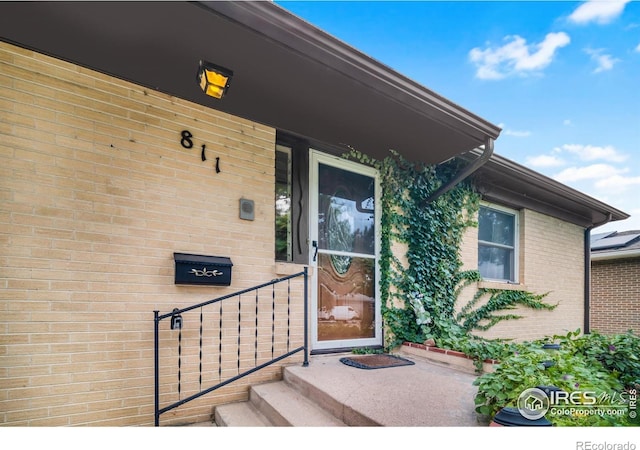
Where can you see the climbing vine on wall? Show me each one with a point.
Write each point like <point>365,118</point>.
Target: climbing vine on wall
<point>419,292</point>
<point>500,300</point>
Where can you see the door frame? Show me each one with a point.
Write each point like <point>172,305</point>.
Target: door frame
<point>315,159</point>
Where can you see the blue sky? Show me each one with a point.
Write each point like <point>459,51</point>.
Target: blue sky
<point>561,78</point>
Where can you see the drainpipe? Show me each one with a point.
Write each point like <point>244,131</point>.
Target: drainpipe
<point>467,171</point>
<point>587,272</point>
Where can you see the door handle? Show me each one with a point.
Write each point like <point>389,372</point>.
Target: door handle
<point>315,253</point>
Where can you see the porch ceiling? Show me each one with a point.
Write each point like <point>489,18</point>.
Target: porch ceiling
<point>287,74</point>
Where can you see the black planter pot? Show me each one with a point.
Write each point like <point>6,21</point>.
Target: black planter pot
<point>551,346</point>
<point>511,417</point>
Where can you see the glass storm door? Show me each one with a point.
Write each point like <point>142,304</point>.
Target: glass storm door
<point>344,234</point>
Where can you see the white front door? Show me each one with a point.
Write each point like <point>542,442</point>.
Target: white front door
<point>344,232</point>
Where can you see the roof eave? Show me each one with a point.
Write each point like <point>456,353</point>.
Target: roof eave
<point>615,254</point>
<point>276,23</point>
<point>288,74</point>
<point>507,180</point>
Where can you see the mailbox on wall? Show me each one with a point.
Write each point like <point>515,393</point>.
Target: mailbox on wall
<point>201,269</point>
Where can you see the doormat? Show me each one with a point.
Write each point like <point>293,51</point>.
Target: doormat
<point>375,361</point>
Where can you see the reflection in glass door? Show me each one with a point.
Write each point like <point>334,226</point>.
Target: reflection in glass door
<point>344,233</point>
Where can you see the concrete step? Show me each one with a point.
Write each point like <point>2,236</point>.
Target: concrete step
<point>240,414</point>
<point>303,381</point>
<point>280,404</point>
<point>285,406</point>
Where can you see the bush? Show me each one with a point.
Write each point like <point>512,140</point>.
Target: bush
<point>605,365</point>
<point>617,353</point>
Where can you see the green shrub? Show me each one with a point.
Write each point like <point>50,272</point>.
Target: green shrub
<point>587,363</point>
<point>619,353</point>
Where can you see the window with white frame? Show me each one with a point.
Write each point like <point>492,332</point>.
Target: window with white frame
<point>498,243</point>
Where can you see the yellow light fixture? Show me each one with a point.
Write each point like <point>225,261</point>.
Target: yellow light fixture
<point>214,80</point>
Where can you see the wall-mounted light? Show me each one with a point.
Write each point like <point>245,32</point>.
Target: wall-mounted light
<point>214,80</point>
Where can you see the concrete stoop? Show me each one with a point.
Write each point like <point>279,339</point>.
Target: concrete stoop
<point>287,403</point>
<point>328,393</point>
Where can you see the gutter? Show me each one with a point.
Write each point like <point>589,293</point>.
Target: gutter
<point>466,172</point>
<point>587,271</point>
<point>616,254</point>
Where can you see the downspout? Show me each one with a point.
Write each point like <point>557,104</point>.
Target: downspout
<point>467,171</point>
<point>587,272</point>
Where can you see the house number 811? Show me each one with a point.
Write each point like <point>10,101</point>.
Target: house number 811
<point>187,142</point>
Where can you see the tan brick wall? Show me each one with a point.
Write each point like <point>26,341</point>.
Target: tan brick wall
<point>97,193</point>
<point>551,260</point>
<point>615,296</point>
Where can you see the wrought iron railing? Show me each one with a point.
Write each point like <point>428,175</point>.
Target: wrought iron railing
<point>249,308</point>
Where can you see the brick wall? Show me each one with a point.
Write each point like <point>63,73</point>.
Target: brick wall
<point>97,193</point>
<point>551,260</point>
<point>615,296</point>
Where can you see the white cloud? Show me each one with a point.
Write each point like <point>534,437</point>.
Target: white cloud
<point>567,122</point>
<point>638,48</point>
<point>604,61</point>
<point>515,133</point>
<point>617,183</point>
<point>545,161</point>
<point>592,172</point>
<point>593,152</point>
<point>516,56</point>
<point>598,11</point>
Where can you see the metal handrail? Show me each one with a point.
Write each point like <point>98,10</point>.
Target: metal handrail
<point>177,312</point>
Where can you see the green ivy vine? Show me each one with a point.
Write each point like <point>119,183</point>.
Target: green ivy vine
<point>419,294</point>
<point>484,317</point>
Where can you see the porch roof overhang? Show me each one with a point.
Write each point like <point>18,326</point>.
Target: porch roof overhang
<point>288,74</point>
<point>503,181</point>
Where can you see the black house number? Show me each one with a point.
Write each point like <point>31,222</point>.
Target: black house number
<point>187,142</point>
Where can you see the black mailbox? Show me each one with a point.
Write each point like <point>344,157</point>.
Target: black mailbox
<point>200,269</point>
